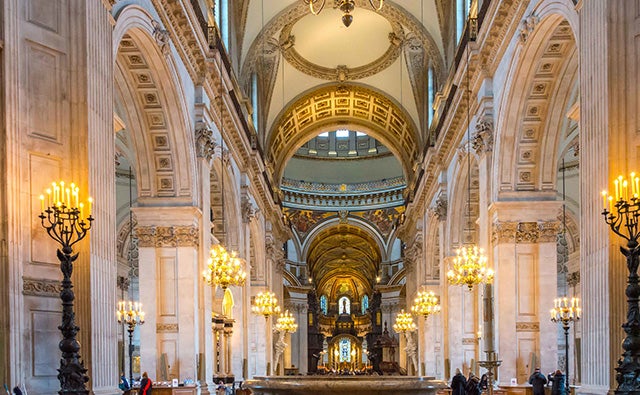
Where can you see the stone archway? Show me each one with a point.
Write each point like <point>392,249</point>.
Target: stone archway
<point>535,106</point>
<point>343,106</point>
<point>146,83</point>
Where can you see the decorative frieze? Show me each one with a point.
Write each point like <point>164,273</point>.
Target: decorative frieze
<point>527,327</point>
<point>573,279</point>
<point>41,287</point>
<point>525,232</point>
<point>167,328</point>
<point>168,236</point>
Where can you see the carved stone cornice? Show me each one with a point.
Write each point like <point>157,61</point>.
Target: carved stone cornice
<point>527,327</point>
<point>168,236</point>
<point>170,328</point>
<point>41,287</point>
<point>504,232</point>
<point>549,231</point>
<point>482,139</point>
<point>525,232</point>
<point>205,145</point>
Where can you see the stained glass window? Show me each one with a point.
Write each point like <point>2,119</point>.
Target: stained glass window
<point>345,350</point>
<point>365,304</point>
<point>323,304</point>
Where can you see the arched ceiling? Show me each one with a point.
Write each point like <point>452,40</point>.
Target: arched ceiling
<point>343,253</point>
<point>343,106</point>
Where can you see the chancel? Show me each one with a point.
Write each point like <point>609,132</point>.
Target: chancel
<point>319,196</point>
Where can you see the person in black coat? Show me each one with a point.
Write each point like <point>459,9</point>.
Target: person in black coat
<point>458,383</point>
<point>537,381</point>
<point>558,387</point>
<point>146,385</point>
<point>473,384</point>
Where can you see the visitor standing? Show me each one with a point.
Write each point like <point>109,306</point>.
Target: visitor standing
<point>145,385</point>
<point>537,381</point>
<point>458,383</point>
<point>558,386</point>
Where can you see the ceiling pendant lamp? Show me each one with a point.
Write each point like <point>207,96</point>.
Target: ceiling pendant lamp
<point>346,6</point>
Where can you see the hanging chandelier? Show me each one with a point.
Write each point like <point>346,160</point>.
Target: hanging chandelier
<point>286,323</point>
<point>346,6</point>
<point>404,323</point>
<point>266,304</point>
<point>425,304</point>
<point>470,268</point>
<point>224,268</point>
<point>470,264</point>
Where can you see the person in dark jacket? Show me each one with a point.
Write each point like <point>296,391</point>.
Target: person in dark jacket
<point>558,386</point>
<point>145,385</point>
<point>458,383</point>
<point>473,385</point>
<point>484,382</point>
<point>538,381</point>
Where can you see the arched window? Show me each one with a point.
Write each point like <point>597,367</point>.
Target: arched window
<point>323,304</point>
<point>344,305</point>
<point>462,11</point>
<point>222,20</point>
<point>254,99</point>
<point>365,304</point>
<point>431,93</point>
<point>345,350</point>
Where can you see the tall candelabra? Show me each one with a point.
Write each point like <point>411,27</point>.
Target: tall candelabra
<point>621,214</point>
<point>131,314</point>
<point>405,325</point>
<point>286,323</point>
<point>565,313</point>
<point>266,304</point>
<point>62,216</point>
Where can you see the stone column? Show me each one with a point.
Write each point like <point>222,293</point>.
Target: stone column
<point>169,240</point>
<point>523,245</point>
<point>608,147</point>
<point>205,147</point>
<point>297,349</point>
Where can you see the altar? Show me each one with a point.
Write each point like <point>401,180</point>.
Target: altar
<point>353,385</point>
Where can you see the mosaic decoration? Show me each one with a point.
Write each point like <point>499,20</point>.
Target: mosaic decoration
<point>303,221</point>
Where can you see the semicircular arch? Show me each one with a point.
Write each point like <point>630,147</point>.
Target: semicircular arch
<point>333,106</point>
<point>147,82</point>
<point>535,106</point>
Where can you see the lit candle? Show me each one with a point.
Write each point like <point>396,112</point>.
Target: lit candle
<point>611,204</point>
<point>604,200</point>
<point>81,210</point>
<point>56,190</point>
<point>48,197</point>
<point>42,203</point>
<point>90,200</point>
<point>62,191</point>
<point>68,197</point>
<point>616,183</point>
<point>553,313</point>
<point>636,182</point>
